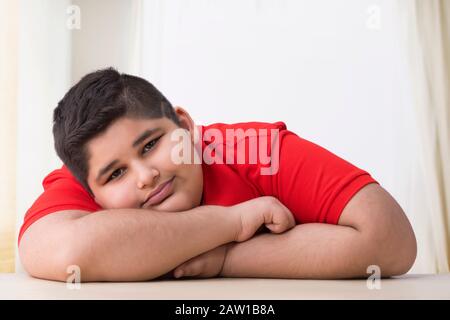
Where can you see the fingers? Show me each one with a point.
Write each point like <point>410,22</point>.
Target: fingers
<point>277,228</point>
<point>178,273</point>
<point>291,219</point>
<point>189,269</point>
<point>283,222</point>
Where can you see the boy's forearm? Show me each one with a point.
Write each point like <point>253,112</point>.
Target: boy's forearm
<point>313,250</point>
<point>138,244</point>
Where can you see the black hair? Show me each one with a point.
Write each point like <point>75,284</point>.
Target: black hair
<point>93,104</point>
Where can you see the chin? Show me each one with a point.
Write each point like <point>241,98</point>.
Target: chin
<point>175,203</point>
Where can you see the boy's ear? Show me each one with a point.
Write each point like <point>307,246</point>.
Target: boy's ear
<point>185,119</point>
<point>187,123</point>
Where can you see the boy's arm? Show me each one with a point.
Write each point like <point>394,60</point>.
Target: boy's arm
<point>122,244</point>
<point>372,230</point>
<point>139,244</point>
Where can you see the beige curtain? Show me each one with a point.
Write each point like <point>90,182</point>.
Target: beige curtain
<point>428,25</point>
<point>8,102</point>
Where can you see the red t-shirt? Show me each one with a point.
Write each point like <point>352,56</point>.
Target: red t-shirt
<point>312,182</point>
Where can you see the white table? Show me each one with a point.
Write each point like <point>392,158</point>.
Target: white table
<point>22,286</point>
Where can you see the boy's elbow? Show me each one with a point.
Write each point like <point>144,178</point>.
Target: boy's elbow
<point>62,265</point>
<point>400,261</point>
<point>407,254</point>
<point>387,237</point>
<point>51,247</point>
<point>396,250</point>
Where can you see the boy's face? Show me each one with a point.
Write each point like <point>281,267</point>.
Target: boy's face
<point>140,166</point>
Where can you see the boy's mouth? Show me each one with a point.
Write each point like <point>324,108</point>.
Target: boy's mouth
<point>159,194</point>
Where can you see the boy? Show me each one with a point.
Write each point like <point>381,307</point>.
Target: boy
<point>160,212</point>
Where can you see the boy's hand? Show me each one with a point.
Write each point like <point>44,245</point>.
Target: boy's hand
<point>268,211</point>
<point>252,215</point>
<point>206,265</point>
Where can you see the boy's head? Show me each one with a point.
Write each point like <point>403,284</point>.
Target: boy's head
<point>113,132</point>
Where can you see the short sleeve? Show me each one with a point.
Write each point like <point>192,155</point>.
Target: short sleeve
<point>61,192</point>
<point>314,183</point>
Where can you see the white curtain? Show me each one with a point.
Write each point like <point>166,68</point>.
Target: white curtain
<point>339,77</point>
<point>9,22</point>
<point>427,35</point>
<point>44,57</point>
<point>44,50</point>
<point>108,36</point>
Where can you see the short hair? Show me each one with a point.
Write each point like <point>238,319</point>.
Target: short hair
<point>94,103</point>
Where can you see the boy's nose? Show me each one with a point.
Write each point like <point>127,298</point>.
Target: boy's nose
<point>147,177</point>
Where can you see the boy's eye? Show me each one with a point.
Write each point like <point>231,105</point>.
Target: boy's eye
<point>117,173</point>
<point>150,145</point>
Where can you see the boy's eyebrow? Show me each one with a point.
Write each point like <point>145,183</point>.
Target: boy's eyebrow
<point>147,133</point>
<point>144,135</point>
<point>106,169</point>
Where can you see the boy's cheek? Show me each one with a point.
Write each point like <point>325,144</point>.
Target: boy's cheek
<point>117,198</point>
